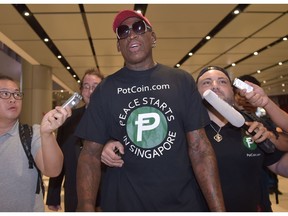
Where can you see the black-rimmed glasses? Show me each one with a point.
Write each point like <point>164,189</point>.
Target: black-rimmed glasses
<point>7,95</point>
<point>139,27</point>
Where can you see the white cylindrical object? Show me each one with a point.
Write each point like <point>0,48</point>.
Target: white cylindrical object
<point>225,109</point>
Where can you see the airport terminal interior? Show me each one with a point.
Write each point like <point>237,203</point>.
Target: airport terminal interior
<point>71,38</point>
<point>67,39</point>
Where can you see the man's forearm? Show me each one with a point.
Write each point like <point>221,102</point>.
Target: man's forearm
<point>88,179</point>
<point>278,116</point>
<point>205,167</point>
<point>51,154</point>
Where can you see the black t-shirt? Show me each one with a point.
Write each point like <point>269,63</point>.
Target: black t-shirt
<point>240,164</point>
<point>149,112</point>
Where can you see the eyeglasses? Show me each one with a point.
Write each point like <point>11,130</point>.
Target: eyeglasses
<point>139,27</point>
<point>87,87</point>
<point>7,95</point>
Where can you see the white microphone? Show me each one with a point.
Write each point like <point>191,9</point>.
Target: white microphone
<point>234,117</point>
<point>227,111</point>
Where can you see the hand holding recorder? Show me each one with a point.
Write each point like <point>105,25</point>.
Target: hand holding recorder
<point>234,117</point>
<point>73,100</point>
<point>242,85</point>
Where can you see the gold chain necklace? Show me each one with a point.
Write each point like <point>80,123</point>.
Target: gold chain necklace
<point>218,137</point>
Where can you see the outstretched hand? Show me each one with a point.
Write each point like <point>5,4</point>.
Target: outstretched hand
<point>257,97</point>
<point>54,119</point>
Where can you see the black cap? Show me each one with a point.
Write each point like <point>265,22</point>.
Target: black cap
<point>208,68</point>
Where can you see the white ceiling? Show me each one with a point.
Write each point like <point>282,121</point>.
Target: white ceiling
<point>179,28</point>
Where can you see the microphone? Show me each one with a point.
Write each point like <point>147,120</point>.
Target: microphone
<point>234,117</point>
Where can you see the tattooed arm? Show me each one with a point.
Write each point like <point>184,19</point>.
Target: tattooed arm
<point>205,167</point>
<point>88,175</point>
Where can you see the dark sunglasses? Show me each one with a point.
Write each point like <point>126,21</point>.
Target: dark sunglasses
<point>139,27</point>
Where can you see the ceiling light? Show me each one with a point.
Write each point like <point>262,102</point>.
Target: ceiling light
<point>178,65</point>
<point>264,81</point>
<point>283,84</point>
<point>280,63</point>
<point>26,14</point>
<point>59,56</point>
<point>68,67</point>
<point>283,90</point>
<point>258,71</point>
<point>233,64</point>
<point>285,38</point>
<point>74,75</point>
<point>78,81</point>
<point>46,39</point>
<point>190,54</point>
<point>281,77</point>
<point>208,37</point>
<point>236,12</point>
<point>256,53</point>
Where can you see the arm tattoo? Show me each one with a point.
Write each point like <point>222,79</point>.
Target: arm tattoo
<point>205,167</point>
<point>88,175</point>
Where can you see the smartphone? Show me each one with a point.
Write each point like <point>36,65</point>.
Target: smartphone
<point>242,85</point>
<point>73,100</point>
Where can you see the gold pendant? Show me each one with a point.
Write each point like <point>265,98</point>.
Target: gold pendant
<point>217,137</point>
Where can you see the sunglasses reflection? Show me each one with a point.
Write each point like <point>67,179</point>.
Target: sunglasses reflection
<point>138,27</point>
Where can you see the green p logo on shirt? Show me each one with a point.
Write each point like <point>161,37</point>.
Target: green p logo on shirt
<point>249,143</point>
<point>147,127</point>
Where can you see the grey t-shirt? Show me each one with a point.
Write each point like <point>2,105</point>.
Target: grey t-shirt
<point>18,182</point>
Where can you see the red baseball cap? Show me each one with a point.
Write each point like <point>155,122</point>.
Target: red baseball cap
<point>125,14</point>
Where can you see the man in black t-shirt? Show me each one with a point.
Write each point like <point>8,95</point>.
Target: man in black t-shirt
<point>240,161</point>
<point>157,115</point>
<point>71,147</point>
